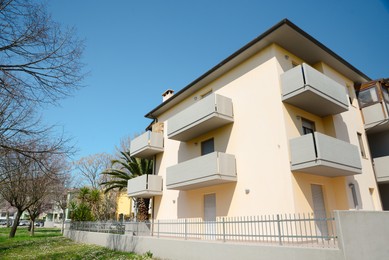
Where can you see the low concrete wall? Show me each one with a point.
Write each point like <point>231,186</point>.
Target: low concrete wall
<point>361,235</point>
<point>205,250</point>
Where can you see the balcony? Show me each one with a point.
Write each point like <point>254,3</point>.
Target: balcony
<point>145,186</point>
<point>147,145</point>
<point>312,91</point>
<point>211,169</point>
<point>324,155</point>
<point>376,117</point>
<point>207,114</point>
<point>381,166</point>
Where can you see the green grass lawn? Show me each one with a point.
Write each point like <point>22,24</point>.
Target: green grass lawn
<point>48,243</point>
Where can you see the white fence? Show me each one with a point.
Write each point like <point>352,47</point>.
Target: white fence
<point>281,229</point>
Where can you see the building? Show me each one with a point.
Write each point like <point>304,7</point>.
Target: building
<point>274,128</point>
<point>373,99</point>
<point>123,207</point>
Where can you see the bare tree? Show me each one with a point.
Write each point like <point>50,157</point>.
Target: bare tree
<point>26,183</point>
<point>36,208</point>
<point>40,63</point>
<point>90,167</point>
<point>60,193</point>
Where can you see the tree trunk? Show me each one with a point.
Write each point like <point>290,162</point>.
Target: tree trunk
<point>15,224</point>
<point>63,220</point>
<point>8,220</point>
<point>32,231</point>
<point>143,209</point>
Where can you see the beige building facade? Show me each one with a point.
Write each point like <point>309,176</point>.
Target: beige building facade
<point>274,128</point>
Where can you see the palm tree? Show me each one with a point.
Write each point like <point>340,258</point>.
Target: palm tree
<point>125,168</point>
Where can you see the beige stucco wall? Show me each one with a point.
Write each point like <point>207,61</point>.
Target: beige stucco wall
<point>124,204</point>
<point>259,138</point>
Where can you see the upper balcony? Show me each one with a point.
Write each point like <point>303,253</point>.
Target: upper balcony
<point>207,170</point>
<point>312,91</point>
<point>209,113</point>
<point>147,145</point>
<point>323,155</point>
<point>381,168</point>
<point>374,104</point>
<point>144,186</point>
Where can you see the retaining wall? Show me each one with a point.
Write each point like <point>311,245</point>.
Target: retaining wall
<point>361,235</point>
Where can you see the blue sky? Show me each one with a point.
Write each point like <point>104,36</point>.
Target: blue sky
<point>135,50</point>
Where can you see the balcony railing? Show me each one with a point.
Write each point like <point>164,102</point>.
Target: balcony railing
<point>147,145</point>
<point>324,155</point>
<point>207,114</point>
<point>376,117</point>
<point>312,91</point>
<point>381,165</point>
<point>207,170</point>
<point>145,186</point>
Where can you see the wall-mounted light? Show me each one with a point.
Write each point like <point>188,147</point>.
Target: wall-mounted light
<point>174,201</point>
<point>286,57</point>
<point>247,191</point>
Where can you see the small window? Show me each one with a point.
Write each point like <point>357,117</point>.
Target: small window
<point>308,126</point>
<point>368,97</point>
<point>207,147</point>
<point>361,146</point>
<point>354,194</point>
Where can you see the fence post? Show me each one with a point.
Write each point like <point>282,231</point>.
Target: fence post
<point>224,230</point>
<point>279,229</point>
<point>186,229</point>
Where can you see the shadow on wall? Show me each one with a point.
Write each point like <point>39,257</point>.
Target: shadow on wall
<point>121,242</point>
<point>190,204</point>
<point>76,235</point>
<point>341,129</point>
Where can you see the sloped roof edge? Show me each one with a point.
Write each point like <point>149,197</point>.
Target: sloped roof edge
<point>276,34</point>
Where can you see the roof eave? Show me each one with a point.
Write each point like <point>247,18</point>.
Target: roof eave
<point>252,47</point>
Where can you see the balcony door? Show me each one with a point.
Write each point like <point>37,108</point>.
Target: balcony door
<point>210,215</point>
<point>319,211</point>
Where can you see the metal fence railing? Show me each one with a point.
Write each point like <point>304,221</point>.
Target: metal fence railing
<point>282,229</point>
<point>279,229</point>
<point>114,227</point>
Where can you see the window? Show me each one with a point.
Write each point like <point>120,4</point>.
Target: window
<point>361,146</point>
<point>207,147</point>
<point>368,97</point>
<point>308,126</point>
<point>354,194</point>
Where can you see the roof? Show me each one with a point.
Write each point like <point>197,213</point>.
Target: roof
<point>303,45</point>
